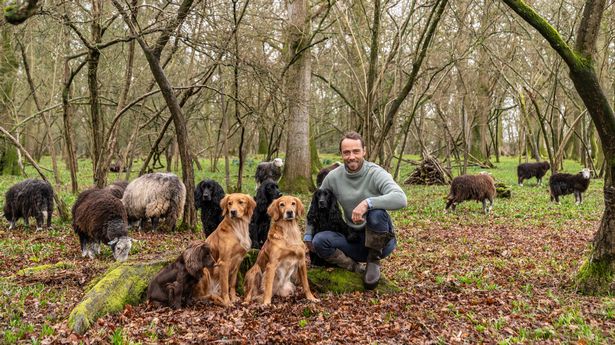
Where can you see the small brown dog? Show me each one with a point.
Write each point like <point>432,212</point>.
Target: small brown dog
<point>282,255</point>
<point>173,285</point>
<point>229,244</point>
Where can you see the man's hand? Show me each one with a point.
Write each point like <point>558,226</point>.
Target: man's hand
<point>359,212</point>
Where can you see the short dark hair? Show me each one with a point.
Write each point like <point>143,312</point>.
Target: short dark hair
<point>354,136</point>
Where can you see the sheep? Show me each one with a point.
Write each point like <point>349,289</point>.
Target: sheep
<point>526,171</point>
<point>117,188</point>
<point>563,184</point>
<point>479,187</point>
<point>155,196</point>
<point>29,198</point>
<point>268,170</point>
<point>98,216</point>
<point>324,172</point>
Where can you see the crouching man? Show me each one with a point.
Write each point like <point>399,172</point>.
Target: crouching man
<point>365,192</point>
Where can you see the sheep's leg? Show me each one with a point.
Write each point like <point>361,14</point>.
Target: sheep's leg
<point>49,213</point>
<point>155,221</point>
<point>520,181</point>
<point>96,247</point>
<point>40,220</point>
<point>539,181</point>
<point>448,205</point>
<point>490,205</point>
<point>11,223</point>
<point>580,198</point>
<point>485,211</point>
<point>84,245</point>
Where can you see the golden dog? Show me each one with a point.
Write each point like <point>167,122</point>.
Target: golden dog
<point>282,255</point>
<point>229,243</point>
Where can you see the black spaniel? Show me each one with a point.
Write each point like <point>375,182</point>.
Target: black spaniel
<point>259,225</point>
<point>207,197</point>
<point>325,215</point>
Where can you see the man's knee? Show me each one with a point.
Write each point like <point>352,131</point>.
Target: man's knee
<point>379,221</point>
<point>323,244</point>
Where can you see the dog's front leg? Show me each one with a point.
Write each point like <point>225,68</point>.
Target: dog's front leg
<point>223,276</point>
<point>270,269</point>
<point>252,282</point>
<point>305,283</point>
<point>233,284</point>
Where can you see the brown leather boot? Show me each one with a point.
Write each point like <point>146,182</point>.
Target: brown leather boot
<point>342,260</point>
<point>375,242</point>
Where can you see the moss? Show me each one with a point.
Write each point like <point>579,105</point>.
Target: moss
<point>37,269</point>
<point>502,190</point>
<point>338,281</point>
<point>595,278</point>
<point>120,286</point>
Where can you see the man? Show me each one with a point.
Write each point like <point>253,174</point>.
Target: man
<point>365,191</point>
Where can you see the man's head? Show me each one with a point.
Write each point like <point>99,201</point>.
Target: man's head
<point>352,149</point>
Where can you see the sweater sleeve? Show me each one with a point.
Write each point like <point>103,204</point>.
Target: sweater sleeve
<point>392,196</point>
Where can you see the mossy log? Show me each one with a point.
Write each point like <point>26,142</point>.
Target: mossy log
<point>502,190</point>
<point>123,285</point>
<point>337,280</point>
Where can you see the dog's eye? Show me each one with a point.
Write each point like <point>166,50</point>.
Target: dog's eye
<point>293,203</point>
<point>281,204</point>
<point>240,202</point>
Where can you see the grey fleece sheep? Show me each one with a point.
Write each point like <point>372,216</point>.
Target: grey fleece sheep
<point>563,184</point>
<point>526,171</point>
<point>99,216</point>
<point>155,196</point>
<point>268,170</point>
<point>479,187</point>
<point>29,198</point>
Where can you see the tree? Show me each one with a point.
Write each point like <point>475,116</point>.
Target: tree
<point>297,176</point>
<point>596,275</point>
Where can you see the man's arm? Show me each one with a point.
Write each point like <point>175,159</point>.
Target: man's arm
<point>392,196</point>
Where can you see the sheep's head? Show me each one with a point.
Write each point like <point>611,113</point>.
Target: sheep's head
<point>586,173</point>
<point>278,162</point>
<point>120,246</point>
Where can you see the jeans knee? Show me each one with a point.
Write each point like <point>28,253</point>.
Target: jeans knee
<point>322,245</point>
<point>378,220</point>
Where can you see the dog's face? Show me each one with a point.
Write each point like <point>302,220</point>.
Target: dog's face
<point>286,208</point>
<point>325,198</point>
<point>198,256</point>
<point>237,205</point>
<point>271,189</point>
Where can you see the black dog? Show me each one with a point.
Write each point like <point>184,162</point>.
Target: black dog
<point>174,284</point>
<point>259,225</point>
<point>207,197</point>
<point>325,215</point>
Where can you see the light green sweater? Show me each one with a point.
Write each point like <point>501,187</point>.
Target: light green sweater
<point>372,182</point>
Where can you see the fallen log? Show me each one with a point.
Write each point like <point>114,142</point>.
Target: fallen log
<point>337,280</point>
<point>120,286</point>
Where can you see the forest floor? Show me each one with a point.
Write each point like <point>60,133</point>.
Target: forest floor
<point>507,277</point>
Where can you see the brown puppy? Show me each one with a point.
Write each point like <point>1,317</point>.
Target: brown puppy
<point>282,255</point>
<point>174,284</point>
<point>229,243</point>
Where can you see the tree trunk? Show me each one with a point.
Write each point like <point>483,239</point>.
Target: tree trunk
<point>297,176</point>
<point>95,111</point>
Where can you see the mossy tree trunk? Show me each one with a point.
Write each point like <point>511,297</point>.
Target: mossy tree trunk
<point>596,275</point>
<point>17,11</point>
<point>9,159</point>
<point>297,175</point>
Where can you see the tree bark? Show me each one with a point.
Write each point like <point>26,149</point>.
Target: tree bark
<point>297,176</point>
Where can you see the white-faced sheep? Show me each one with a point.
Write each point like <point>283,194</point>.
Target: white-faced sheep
<point>155,196</point>
<point>268,170</point>
<point>479,187</point>
<point>98,216</point>
<point>29,198</point>
<point>563,184</point>
<point>526,171</point>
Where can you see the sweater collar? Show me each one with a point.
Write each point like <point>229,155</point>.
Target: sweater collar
<point>359,173</point>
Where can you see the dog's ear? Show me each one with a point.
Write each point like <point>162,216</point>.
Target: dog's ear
<point>198,194</point>
<point>250,207</point>
<point>274,210</point>
<point>224,205</point>
<point>218,191</point>
<point>300,208</point>
<point>207,260</point>
<point>193,259</point>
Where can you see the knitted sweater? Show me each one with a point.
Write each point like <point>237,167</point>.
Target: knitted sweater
<point>372,182</point>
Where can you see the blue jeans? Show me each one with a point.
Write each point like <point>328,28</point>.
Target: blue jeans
<point>326,242</point>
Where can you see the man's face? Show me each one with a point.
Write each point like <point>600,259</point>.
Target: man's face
<point>353,154</point>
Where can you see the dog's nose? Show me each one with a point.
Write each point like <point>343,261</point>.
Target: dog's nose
<point>290,215</point>
<point>233,213</point>
<point>322,204</point>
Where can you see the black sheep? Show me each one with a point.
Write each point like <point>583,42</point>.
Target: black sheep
<point>563,184</point>
<point>207,197</point>
<point>268,171</point>
<point>260,222</point>
<point>117,188</point>
<point>325,215</point>
<point>98,216</point>
<point>526,171</point>
<point>324,172</point>
<point>479,187</point>
<point>29,198</point>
